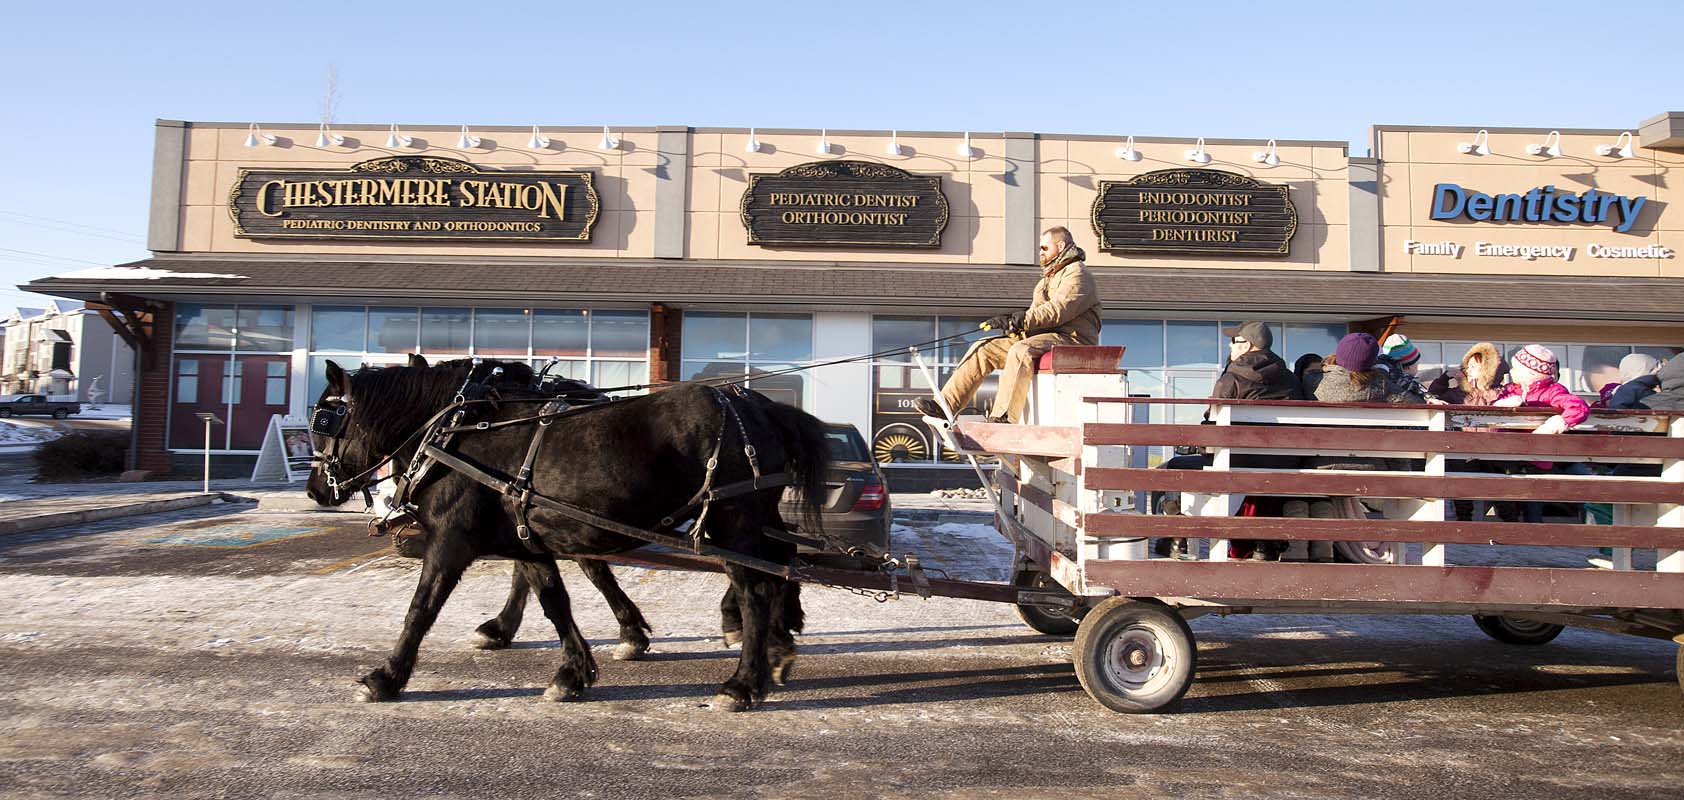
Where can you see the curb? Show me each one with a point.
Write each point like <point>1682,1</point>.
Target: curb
<point>56,519</point>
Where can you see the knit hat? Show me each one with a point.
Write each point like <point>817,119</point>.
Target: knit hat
<point>1636,365</point>
<point>1357,352</point>
<point>1537,358</point>
<point>1398,348</point>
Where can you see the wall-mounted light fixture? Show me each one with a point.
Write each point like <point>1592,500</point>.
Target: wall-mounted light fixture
<point>609,140</point>
<point>325,136</point>
<point>1127,151</point>
<point>1480,146</point>
<point>466,140</point>
<point>1621,148</point>
<point>824,142</point>
<point>753,145</point>
<point>395,140</point>
<point>1197,155</point>
<point>965,149</point>
<point>255,136</point>
<point>538,141</point>
<point>1269,156</point>
<point>894,148</point>
<point>1549,149</point>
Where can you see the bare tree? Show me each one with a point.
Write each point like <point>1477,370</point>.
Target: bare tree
<point>330,95</point>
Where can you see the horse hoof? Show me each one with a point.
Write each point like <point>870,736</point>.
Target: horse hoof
<point>485,641</point>
<point>368,694</point>
<point>557,694</point>
<point>630,651</point>
<point>781,671</point>
<point>725,702</point>
<point>733,638</point>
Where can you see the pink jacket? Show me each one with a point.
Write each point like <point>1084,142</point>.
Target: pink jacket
<point>1551,393</point>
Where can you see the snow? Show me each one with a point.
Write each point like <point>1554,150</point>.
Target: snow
<point>138,274</point>
<point>106,411</point>
<point>12,433</point>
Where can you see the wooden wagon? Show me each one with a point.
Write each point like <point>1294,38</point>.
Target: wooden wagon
<point>1073,482</point>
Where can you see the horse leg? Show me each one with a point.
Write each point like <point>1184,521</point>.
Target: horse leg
<point>731,617</point>
<point>787,620</point>
<point>756,592</point>
<point>578,667</point>
<point>499,631</point>
<point>440,573</point>
<point>634,641</point>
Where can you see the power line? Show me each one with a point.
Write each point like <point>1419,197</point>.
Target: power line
<point>51,256</point>
<point>124,234</point>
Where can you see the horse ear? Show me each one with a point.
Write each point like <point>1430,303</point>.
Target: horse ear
<point>335,378</point>
<point>415,360</point>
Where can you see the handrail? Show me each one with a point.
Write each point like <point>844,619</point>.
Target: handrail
<point>1520,411</point>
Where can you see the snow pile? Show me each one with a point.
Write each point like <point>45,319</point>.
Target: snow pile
<point>106,411</point>
<point>137,274</point>
<point>960,494</point>
<point>11,433</point>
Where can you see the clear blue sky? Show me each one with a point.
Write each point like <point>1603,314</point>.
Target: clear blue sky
<point>84,81</point>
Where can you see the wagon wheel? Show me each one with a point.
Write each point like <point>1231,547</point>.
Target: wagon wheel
<point>1050,620</point>
<point>1517,631</point>
<point>1678,667</point>
<point>1135,656</point>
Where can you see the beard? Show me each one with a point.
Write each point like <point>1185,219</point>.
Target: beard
<point>1047,260</point>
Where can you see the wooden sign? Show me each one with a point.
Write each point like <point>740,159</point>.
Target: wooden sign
<point>414,198</point>
<point>845,204</point>
<point>1203,212</point>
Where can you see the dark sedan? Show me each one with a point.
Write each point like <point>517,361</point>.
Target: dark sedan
<point>856,504</point>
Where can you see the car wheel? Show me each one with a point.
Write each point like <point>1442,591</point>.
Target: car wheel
<point>1050,620</point>
<point>1363,552</point>
<point>1509,630</point>
<point>59,413</point>
<point>5,412</point>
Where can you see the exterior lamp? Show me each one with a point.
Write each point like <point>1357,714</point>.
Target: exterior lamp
<point>1480,146</point>
<point>466,140</point>
<point>1197,155</point>
<point>1269,156</point>
<point>608,141</point>
<point>1621,148</point>
<point>538,141</point>
<point>394,140</point>
<point>256,136</point>
<point>894,148</point>
<point>1549,149</point>
<point>325,136</point>
<point>753,145</point>
<point>824,142</point>
<point>1127,151</point>
<point>965,149</point>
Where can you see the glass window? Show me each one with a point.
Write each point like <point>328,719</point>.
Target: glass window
<point>275,383</point>
<point>1660,353</point>
<point>201,327</point>
<point>265,329</point>
<point>784,337</point>
<point>1142,340</point>
<point>445,330</point>
<point>187,380</point>
<point>786,388</point>
<point>1304,338</point>
<point>337,328</point>
<point>899,333</point>
<point>609,374</point>
<point>1595,365</point>
<point>501,331</point>
<point>392,330</point>
<point>1192,344</point>
<point>561,332</point>
<point>712,335</point>
<point>231,389</point>
<point>700,370</point>
<point>577,370</point>
<point>953,350</point>
<point>620,334</point>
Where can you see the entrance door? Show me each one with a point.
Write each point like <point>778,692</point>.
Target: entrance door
<point>263,388</point>
<point>198,386</point>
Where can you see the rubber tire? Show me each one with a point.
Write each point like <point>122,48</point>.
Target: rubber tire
<point>1039,618</point>
<point>60,413</point>
<point>1171,636</point>
<point>1517,631</point>
<point>1354,553</point>
<point>5,413</point>
<point>1678,667</point>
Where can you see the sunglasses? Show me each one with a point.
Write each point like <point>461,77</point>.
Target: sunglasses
<point>1237,340</point>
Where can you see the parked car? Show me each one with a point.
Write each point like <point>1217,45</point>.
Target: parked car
<point>856,506</point>
<point>38,404</point>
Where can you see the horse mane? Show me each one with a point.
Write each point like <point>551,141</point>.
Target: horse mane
<point>395,400</point>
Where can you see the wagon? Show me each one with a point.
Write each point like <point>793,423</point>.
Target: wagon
<point>1073,481</point>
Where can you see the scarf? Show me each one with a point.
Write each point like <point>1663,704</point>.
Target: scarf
<point>1071,253</point>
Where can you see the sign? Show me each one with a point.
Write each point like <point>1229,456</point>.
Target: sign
<point>1533,252</point>
<point>1203,212</point>
<point>414,198</point>
<point>845,204</point>
<point>286,451</point>
<point>1538,204</point>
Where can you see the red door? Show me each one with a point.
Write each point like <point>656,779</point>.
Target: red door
<point>197,386</point>
<point>264,389</point>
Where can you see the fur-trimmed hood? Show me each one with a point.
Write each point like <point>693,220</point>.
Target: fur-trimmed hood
<point>1488,354</point>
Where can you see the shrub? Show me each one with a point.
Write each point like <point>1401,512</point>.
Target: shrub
<point>82,454</point>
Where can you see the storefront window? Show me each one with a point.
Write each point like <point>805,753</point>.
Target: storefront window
<point>780,337</point>
<point>501,331</point>
<point>200,327</point>
<point>445,331</point>
<point>712,335</point>
<point>898,433</point>
<point>1310,338</point>
<point>235,362</point>
<point>337,328</point>
<point>1193,344</point>
<point>620,334</point>
<point>392,330</point>
<point>265,329</point>
<point>724,345</point>
<point>1142,340</point>
<point>898,333</point>
<point>559,332</point>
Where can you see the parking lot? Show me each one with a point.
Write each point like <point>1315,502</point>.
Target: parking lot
<point>213,653</point>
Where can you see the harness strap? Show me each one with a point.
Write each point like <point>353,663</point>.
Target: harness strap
<point>523,485</point>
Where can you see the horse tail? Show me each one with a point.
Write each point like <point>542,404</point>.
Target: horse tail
<point>807,452</point>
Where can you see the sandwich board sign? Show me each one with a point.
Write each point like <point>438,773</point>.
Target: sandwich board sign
<point>287,450</point>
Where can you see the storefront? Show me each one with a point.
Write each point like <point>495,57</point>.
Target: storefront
<point>660,254</point>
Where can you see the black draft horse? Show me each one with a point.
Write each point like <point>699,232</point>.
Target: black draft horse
<point>633,461</point>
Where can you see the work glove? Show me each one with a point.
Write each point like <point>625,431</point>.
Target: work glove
<point>1016,322</point>
<point>998,322</point>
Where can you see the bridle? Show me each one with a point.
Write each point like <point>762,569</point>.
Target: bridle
<point>329,420</point>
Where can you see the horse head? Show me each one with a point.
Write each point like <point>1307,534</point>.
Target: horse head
<point>343,450</point>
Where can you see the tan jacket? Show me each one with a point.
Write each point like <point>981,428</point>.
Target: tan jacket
<point>1066,302</point>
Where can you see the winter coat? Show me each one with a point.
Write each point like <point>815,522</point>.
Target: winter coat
<point>1066,300</point>
<point>1550,393</point>
<point>1669,395</point>
<point>1257,375</point>
<point>1635,393</point>
<point>1401,384</point>
<point>1455,388</point>
<point>1336,387</point>
<point>1308,371</point>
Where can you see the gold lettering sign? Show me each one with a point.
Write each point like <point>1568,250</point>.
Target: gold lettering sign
<point>414,197</point>
<point>844,204</point>
<point>1194,212</point>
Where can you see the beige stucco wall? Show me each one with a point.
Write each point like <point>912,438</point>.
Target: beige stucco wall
<point>1071,169</point>
<point>1414,160</point>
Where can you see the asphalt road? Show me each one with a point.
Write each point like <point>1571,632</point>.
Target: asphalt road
<point>212,654</point>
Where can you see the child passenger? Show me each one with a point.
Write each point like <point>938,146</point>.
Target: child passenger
<point>1534,370</point>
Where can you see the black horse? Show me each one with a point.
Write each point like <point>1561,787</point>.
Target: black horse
<point>632,461</point>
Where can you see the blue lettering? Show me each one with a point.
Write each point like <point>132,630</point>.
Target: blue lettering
<point>1539,204</point>
<point>1509,206</point>
<point>1451,191</point>
<point>1630,207</point>
<point>1566,208</point>
<point>1479,206</point>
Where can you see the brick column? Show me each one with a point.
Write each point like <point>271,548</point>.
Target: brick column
<point>152,409</point>
<point>666,326</point>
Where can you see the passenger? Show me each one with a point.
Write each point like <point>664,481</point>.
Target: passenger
<point>1254,372</point>
<point>1308,370</point>
<point>1533,371</point>
<point>1639,379</point>
<point>1669,390</point>
<point>1400,360</point>
<point>1478,383</point>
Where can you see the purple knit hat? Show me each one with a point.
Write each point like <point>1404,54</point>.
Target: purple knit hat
<point>1357,352</point>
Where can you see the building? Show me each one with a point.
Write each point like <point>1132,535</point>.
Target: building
<point>656,254</point>
<point>64,350</point>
